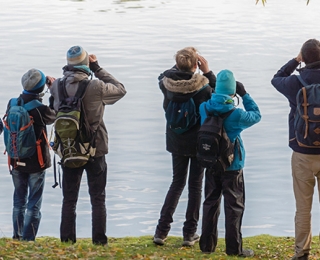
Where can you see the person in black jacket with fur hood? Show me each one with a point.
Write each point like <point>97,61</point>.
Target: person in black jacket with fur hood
<point>180,83</point>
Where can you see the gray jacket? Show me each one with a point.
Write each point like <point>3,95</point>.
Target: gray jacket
<point>105,90</point>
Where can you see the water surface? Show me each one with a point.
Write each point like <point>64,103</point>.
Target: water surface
<point>136,41</point>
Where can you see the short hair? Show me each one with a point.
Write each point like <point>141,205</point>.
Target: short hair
<point>186,58</point>
<point>310,51</point>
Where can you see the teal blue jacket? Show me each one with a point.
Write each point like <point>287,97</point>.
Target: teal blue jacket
<point>235,123</point>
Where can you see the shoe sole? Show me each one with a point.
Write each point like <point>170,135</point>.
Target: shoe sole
<point>190,243</point>
<point>159,241</point>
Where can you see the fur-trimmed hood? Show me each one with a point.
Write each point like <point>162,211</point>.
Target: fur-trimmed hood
<point>180,86</point>
<point>185,86</point>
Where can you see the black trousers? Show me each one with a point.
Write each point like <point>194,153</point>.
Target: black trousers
<point>230,184</point>
<point>180,165</point>
<point>97,179</point>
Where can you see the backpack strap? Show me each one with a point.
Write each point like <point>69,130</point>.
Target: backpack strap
<point>32,104</point>
<point>302,81</point>
<point>304,104</point>
<point>82,88</point>
<point>80,91</point>
<point>223,115</point>
<point>226,114</point>
<point>62,92</point>
<point>196,92</point>
<point>28,106</point>
<point>305,110</point>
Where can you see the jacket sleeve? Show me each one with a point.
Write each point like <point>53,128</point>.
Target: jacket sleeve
<point>48,115</point>
<point>112,89</point>
<point>212,79</point>
<point>285,83</point>
<point>251,115</point>
<point>164,90</point>
<point>1,126</point>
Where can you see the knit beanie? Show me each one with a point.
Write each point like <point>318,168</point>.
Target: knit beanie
<point>225,84</point>
<point>33,81</point>
<point>76,56</point>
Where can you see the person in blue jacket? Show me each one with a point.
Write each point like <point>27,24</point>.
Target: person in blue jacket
<point>305,162</point>
<point>230,183</point>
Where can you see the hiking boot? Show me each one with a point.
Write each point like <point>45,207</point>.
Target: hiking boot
<point>159,240</point>
<point>189,240</point>
<point>246,253</point>
<point>304,257</point>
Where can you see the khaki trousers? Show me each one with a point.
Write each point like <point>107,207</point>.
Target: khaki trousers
<point>305,172</point>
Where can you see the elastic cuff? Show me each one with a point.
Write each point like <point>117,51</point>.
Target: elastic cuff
<point>98,70</point>
<point>208,73</point>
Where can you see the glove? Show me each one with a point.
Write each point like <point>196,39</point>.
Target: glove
<point>240,89</point>
<point>94,66</point>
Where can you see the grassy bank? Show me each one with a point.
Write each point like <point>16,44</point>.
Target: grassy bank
<point>265,247</point>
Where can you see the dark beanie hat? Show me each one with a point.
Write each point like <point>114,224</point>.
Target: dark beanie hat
<point>76,55</point>
<point>33,81</point>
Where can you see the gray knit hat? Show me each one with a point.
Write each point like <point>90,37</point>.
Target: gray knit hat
<point>33,80</point>
<point>76,55</point>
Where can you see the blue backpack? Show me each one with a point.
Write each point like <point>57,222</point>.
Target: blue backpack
<point>307,115</point>
<point>181,116</point>
<point>19,136</point>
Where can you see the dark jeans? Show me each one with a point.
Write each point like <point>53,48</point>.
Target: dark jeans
<point>180,173</point>
<point>27,200</point>
<point>97,179</point>
<point>229,184</point>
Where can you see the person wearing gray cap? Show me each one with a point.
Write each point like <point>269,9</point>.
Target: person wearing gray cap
<point>28,174</point>
<point>102,91</point>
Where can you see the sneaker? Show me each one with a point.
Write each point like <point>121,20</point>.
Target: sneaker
<point>246,253</point>
<point>189,240</point>
<point>304,257</point>
<point>159,240</point>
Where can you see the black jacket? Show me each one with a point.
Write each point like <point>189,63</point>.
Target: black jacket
<point>180,86</point>
<point>42,116</point>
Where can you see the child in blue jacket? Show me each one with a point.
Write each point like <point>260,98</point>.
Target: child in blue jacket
<point>230,183</point>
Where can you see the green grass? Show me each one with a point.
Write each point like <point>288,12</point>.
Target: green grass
<point>265,247</point>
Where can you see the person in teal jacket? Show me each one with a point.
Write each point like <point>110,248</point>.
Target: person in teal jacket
<point>230,183</point>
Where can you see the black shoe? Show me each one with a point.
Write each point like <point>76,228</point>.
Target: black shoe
<point>304,257</point>
<point>159,240</point>
<point>189,240</point>
<point>246,253</point>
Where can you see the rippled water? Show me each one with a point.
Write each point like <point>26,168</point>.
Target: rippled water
<point>135,41</point>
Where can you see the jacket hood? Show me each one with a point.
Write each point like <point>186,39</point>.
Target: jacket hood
<point>310,76</point>
<point>183,82</point>
<point>219,104</point>
<point>314,65</point>
<point>74,76</point>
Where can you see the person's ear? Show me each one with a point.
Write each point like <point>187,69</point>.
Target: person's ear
<point>195,66</point>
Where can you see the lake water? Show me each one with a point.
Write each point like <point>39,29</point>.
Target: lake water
<point>135,41</point>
